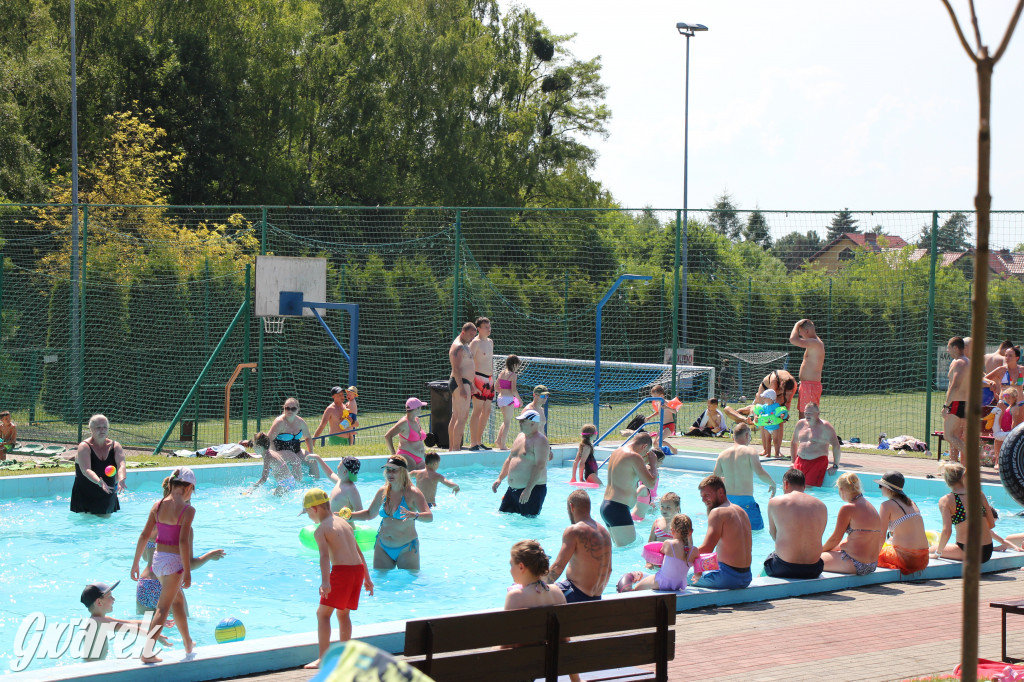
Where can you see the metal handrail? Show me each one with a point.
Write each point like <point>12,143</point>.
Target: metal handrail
<point>323,439</point>
<point>661,426</point>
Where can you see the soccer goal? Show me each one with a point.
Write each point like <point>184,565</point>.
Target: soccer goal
<point>740,374</point>
<point>572,398</point>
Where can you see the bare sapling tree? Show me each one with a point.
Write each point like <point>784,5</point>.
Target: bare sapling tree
<point>984,62</point>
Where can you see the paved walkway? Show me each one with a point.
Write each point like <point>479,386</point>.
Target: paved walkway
<point>882,632</point>
<point>855,460</point>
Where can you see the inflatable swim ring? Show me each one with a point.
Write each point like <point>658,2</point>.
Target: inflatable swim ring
<point>651,553</point>
<point>584,484</point>
<point>366,538</point>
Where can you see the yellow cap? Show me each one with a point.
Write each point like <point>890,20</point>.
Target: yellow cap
<point>313,497</point>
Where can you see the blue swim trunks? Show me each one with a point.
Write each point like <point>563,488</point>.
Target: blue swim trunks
<point>749,505</point>
<point>726,578</point>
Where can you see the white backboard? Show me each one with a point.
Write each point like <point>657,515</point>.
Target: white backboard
<point>275,274</point>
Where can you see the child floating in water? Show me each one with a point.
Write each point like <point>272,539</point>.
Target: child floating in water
<point>585,461</point>
<point>427,479</point>
<point>342,570</point>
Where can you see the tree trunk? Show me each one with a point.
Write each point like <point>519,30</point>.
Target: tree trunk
<point>972,462</point>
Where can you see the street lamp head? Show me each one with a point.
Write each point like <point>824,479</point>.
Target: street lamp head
<point>689,29</point>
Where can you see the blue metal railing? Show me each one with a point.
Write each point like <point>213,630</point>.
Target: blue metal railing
<point>661,427</point>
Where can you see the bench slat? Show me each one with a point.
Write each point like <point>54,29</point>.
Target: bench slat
<point>480,630</point>
<point>512,665</point>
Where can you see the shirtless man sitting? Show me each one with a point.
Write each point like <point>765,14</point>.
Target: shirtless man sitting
<point>482,348</point>
<point>460,384</point>
<point>796,522</point>
<point>633,462</point>
<point>586,553</point>
<point>804,336</point>
<point>736,465</point>
<point>337,417</point>
<point>728,534</point>
<point>809,446</point>
<point>954,409</point>
<point>526,468</point>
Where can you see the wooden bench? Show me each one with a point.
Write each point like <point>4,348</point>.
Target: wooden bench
<point>605,634</point>
<point>940,434</point>
<point>1017,607</point>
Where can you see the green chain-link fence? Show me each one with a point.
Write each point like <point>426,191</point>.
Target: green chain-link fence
<point>160,286</point>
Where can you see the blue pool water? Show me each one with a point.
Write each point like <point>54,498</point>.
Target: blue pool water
<point>270,581</point>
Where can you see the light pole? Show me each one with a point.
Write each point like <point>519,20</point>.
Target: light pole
<point>597,345</point>
<point>76,356</point>
<point>687,30</point>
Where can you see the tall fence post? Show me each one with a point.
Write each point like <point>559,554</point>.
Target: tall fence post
<point>930,358</point>
<point>456,277</point>
<point>675,305</point>
<point>565,319</point>
<point>259,349</point>
<point>81,321</point>
<point>245,351</point>
<point>750,291</point>
<point>970,297</point>
<point>828,313</point>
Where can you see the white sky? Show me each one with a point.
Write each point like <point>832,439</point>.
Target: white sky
<point>799,104</point>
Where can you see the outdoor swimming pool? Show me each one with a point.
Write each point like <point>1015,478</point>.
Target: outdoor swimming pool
<point>269,580</point>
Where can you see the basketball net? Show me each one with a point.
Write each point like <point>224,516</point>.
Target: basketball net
<point>273,324</point>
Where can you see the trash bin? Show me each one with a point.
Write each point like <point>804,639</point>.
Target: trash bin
<point>440,411</point>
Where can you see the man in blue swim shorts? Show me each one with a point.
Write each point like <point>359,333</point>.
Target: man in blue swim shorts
<point>728,536</point>
<point>527,468</point>
<point>736,465</point>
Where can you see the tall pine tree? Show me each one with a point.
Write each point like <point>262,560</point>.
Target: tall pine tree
<point>842,223</point>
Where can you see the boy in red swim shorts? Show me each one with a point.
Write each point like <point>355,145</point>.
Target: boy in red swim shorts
<point>342,568</point>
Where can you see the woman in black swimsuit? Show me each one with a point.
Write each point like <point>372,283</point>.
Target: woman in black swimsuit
<point>95,491</point>
<point>953,508</point>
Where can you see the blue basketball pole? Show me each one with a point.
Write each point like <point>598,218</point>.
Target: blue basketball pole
<point>292,303</point>
<point>597,345</point>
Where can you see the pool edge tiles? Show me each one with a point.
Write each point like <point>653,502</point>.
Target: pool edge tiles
<point>292,651</point>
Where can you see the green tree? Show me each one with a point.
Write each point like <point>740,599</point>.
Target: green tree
<point>795,248</point>
<point>756,230</point>
<point>724,218</point>
<point>954,233</point>
<point>842,222</point>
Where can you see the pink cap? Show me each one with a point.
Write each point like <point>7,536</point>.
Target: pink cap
<point>414,404</point>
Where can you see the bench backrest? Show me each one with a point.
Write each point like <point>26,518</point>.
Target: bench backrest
<point>444,647</point>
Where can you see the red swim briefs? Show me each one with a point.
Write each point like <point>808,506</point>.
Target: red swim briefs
<point>814,469</point>
<point>346,582</point>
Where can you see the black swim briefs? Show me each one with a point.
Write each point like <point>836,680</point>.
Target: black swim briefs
<point>777,568</point>
<point>510,503</point>
<point>615,514</point>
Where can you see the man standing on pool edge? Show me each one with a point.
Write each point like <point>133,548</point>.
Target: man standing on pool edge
<point>803,335</point>
<point>526,468</point>
<point>482,348</point>
<point>460,384</point>
<point>631,463</point>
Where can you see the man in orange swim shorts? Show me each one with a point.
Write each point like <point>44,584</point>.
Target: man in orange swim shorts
<point>804,335</point>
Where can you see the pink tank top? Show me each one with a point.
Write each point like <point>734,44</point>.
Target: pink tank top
<point>168,533</point>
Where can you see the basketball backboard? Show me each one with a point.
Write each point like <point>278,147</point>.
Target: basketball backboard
<point>275,274</point>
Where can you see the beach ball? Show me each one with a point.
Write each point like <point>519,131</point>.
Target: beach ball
<point>110,470</point>
<point>229,630</point>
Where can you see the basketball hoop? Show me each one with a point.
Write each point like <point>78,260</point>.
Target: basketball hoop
<point>273,324</point>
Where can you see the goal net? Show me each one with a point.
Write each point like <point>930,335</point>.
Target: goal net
<point>740,374</point>
<point>623,385</point>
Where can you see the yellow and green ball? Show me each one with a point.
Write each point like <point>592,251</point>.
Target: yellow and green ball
<point>229,630</point>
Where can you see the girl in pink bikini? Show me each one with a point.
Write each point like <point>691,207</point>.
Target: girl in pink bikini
<point>507,398</point>
<point>172,518</point>
<point>410,435</point>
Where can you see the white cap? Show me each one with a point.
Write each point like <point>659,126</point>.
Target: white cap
<point>769,394</point>
<point>529,415</point>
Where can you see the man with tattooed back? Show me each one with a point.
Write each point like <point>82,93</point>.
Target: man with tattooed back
<point>586,553</point>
